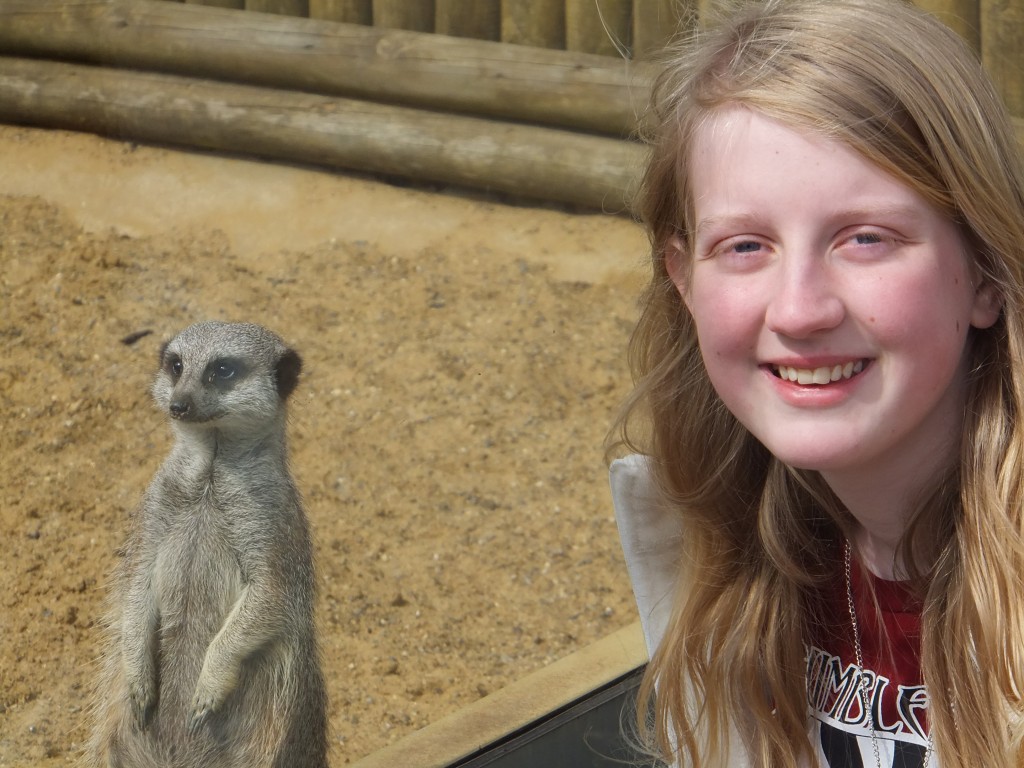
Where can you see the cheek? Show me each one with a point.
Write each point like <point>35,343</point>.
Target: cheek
<point>921,331</point>
<point>727,332</point>
<point>727,321</point>
<point>926,311</point>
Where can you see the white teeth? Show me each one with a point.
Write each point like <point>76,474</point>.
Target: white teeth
<point>823,375</point>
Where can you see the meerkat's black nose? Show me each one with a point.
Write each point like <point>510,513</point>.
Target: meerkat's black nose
<point>179,408</point>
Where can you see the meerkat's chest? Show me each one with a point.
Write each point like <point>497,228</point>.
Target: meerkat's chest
<point>197,575</point>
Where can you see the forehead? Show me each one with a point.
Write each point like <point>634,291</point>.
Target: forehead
<point>211,340</point>
<point>743,163</point>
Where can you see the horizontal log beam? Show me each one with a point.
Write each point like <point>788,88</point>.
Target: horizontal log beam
<point>573,90</point>
<point>528,161</point>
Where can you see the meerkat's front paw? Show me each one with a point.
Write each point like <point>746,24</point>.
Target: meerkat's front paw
<point>141,700</point>
<point>199,714</point>
<point>211,691</point>
<point>204,704</point>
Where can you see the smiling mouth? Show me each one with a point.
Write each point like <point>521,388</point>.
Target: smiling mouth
<point>826,374</point>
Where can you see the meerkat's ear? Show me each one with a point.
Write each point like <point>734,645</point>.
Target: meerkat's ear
<point>289,365</point>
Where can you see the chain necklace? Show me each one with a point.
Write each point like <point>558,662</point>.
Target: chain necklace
<point>865,688</point>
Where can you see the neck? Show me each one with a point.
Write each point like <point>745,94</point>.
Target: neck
<point>882,505</point>
<point>879,555</point>
<point>199,450</point>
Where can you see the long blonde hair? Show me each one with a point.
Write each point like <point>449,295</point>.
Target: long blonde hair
<point>905,92</point>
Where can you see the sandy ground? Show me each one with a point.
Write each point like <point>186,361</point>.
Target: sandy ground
<point>463,361</point>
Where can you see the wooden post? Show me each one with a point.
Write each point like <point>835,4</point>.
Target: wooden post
<point>962,16</point>
<point>656,22</point>
<point>598,26</point>
<point>527,161</point>
<point>539,23</point>
<point>415,15</point>
<point>588,92</point>
<point>1002,49</point>
<point>478,19</point>
<point>347,11</point>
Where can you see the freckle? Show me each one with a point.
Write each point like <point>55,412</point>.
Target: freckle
<point>871,319</point>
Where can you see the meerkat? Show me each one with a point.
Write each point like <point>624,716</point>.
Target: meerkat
<point>212,659</point>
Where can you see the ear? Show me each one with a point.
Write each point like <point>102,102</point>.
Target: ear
<point>988,304</point>
<point>288,368</point>
<point>677,264</point>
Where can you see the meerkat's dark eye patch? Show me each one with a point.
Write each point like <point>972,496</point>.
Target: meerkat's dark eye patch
<point>225,372</point>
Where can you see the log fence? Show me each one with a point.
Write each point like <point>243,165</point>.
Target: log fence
<point>633,28</point>
<point>532,98</point>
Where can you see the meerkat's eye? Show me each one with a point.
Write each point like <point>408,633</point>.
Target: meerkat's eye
<point>224,371</point>
<point>174,366</point>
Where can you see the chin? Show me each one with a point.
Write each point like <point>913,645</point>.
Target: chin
<point>812,462</point>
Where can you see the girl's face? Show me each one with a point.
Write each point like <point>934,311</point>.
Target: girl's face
<point>832,303</point>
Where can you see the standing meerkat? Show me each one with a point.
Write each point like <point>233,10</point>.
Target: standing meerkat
<point>212,658</point>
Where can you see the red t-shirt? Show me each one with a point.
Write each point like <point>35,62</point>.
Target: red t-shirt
<point>842,731</point>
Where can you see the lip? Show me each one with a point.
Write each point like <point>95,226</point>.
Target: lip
<point>809,394</point>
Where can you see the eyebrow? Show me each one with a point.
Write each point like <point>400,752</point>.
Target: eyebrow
<point>868,213</point>
<point>743,220</point>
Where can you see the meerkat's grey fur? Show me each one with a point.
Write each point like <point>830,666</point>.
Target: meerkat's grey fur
<point>213,661</point>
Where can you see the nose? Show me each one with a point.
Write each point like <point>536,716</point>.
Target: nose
<point>805,300</point>
<point>179,408</point>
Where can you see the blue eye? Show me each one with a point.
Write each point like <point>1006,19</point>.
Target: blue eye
<point>748,246</point>
<point>867,238</point>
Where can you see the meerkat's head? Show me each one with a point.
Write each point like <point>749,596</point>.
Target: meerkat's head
<point>226,376</point>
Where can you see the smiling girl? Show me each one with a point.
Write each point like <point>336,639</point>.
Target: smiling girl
<point>830,393</point>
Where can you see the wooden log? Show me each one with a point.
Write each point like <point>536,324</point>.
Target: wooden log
<point>656,22</point>
<point>348,11</point>
<point>586,92</point>
<point>962,16</point>
<point>598,26</point>
<point>283,7</point>
<point>479,19</point>
<point>413,15</point>
<point>526,161</point>
<point>540,23</point>
<point>1002,49</point>
<point>236,4</point>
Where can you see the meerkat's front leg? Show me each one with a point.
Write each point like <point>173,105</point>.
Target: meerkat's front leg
<point>250,626</point>
<point>140,618</point>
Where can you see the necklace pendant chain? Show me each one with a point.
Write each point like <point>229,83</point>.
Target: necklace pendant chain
<point>865,687</point>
